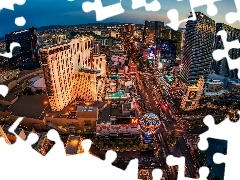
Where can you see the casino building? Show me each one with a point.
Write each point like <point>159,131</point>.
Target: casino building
<point>198,48</point>
<point>149,124</point>
<point>71,71</point>
<point>125,126</point>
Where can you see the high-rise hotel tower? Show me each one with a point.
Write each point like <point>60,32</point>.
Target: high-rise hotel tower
<point>198,48</point>
<point>70,70</point>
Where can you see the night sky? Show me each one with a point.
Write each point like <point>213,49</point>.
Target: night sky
<point>62,12</point>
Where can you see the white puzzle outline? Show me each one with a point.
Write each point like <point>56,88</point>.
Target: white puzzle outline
<point>111,155</point>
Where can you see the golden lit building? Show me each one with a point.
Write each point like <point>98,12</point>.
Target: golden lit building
<point>190,101</point>
<point>70,71</point>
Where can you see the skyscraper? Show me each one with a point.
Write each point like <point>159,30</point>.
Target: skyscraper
<point>152,29</point>
<point>198,48</point>
<point>70,71</point>
<point>166,48</point>
<point>28,41</point>
<point>221,67</point>
<point>97,46</point>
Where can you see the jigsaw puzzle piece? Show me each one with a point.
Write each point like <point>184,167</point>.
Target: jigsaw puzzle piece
<point>110,156</point>
<point>219,158</point>
<point>9,4</point>
<point>3,90</point>
<point>219,54</point>
<point>12,46</point>
<point>86,145</point>
<point>232,157</point>
<point>211,7</point>
<point>14,126</point>
<point>180,162</point>
<point>232,17</point>
<point>153,6</point>
<point>214,131</point>
<point>132,169</point>
<point>174,16</point>
<point>229,132</point>
<point>102,12</point>
<point>58,149</point>
<point>14,155</point>
<point>157,174</point>
<point>203,143</point>
<point>170,9</point>
<point>177,161</point>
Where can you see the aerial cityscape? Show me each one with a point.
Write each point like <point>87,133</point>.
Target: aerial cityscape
<point>141,90</point>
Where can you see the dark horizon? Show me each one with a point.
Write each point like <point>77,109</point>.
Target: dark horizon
<point>45,12</point>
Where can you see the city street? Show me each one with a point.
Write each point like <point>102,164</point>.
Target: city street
<point>149,91</point>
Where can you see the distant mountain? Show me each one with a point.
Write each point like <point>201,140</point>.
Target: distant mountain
<point>43,28</point>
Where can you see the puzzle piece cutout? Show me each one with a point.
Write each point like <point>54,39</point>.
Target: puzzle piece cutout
<point>231,136</point>
<point>12,46</point>
<point>22,152</point>
<point>3,90</point>
<point>219,54</point>
<point>180,162</point>
<point>153,6</point>
<point>157,174</point>
<point>9,4</point>
<point>173,14</point>
<point>58,149</point>
<point>232,17</point>
<point>102,12</point>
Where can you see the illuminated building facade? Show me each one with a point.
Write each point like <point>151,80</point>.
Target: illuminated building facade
<point>119,126</point>
<point>152,29</point>
<point>167,50</point>
<point>70,71</point>
<point>149,123</point>
<point>129,27</point>
<point>97,46</point>
<point>132,68</point>
<point>197,55</point>
<point>190,101</point>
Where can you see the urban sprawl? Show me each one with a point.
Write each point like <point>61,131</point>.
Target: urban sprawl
<point>141,90</point>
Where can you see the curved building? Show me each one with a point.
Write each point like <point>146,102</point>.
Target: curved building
<point>198,48</point>
<point>70,71</point>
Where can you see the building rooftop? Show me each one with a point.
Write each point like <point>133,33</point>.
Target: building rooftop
<point>104,116</point>
<point>126,106</point>
<point>9,97</point>
<point>51,45</point>
<point>87,109</point>
<point>4,108</point>
<point>91,71</point>
<point>5,129</point>
<point>225,91</point>
<point>116,110</point>
<point>63,113</point>
<point>29,106</point>
<point>72,145</point>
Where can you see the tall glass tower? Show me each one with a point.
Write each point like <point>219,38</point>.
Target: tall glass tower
<point>198,48</point>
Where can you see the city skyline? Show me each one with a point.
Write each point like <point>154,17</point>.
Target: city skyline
<point>129,83</point>
<point>47,13</point>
